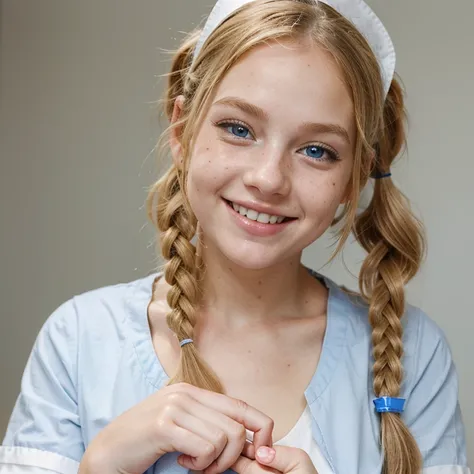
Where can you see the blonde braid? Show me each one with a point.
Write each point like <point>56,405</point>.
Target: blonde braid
<point>177,225</point>
<point>393,238</point>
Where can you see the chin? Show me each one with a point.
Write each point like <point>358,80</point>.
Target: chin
<point>253,256</point>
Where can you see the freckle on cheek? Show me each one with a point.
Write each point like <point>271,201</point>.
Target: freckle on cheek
<point>334,184</point>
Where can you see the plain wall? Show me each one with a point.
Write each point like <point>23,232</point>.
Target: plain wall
<point>77,125</point>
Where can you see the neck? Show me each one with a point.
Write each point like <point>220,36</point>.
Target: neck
<point>238,296</point>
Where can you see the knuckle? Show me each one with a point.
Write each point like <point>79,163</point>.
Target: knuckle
<point>208,453</point>
<point>270,424</point>
<point>182,387</point>
<point>241,405</point>
<point>209,449</point>
<point>175,398</point>
<point>168,412</point>
<point>220,438</point>
<point>162,425</point>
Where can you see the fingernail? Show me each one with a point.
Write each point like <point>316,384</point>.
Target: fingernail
<point>266,454</point>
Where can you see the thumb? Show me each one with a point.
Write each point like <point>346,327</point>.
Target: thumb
<point>285,459</point>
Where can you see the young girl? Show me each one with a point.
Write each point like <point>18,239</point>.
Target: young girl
<point>236,356</point>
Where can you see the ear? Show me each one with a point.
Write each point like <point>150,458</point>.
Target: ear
<point>175,135</point>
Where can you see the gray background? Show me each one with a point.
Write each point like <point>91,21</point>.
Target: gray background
<point>78,122</point>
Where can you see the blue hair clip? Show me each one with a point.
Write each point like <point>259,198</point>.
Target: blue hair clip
<point>185,341</point>
<point>389,404</point>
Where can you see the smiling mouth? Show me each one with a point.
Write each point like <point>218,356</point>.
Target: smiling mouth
<point>256,216</point>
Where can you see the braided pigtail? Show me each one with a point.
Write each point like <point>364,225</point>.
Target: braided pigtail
<point>394,240</point>
<point>169,209</point>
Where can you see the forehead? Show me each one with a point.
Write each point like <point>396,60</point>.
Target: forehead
<point>298,79</point>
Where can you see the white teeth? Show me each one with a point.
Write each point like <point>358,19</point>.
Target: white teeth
<point>256,216</point>
<point>252,215</point>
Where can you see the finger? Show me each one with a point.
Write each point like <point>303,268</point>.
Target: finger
<point>244,465</point>
<point>249,450</point>
<point>252,419</point>
<point>284,459</point>
<point>201,451</point>
<point>227,435</point>
<point>206,430</point>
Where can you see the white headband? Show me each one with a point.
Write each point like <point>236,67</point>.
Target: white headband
<point>357,11</point>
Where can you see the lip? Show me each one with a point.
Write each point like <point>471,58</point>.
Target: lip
<point>255,228</point>
<point>261,208</point>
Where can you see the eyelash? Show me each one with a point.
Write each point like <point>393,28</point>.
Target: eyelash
<point>333,155</point>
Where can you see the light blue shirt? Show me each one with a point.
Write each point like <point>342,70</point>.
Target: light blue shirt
<point>94,359</point>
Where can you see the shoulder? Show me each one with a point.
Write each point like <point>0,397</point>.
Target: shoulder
<point>100,314</point>
<point>422,336</point>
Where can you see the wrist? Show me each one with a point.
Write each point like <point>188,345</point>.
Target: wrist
<point>93,463</point>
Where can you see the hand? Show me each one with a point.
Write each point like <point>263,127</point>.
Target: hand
<point>279,460</point>
<point>208,428</point>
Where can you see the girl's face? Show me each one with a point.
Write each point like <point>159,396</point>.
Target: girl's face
<point>273,158</point>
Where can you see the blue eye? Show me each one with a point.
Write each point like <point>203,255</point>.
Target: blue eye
<point>317,152</point>
<point>314,151</point>
<point>238,130</point>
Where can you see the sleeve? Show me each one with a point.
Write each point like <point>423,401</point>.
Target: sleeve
<point>432,412</point>
<point>44,432</point>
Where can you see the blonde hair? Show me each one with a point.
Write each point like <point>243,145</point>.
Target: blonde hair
<point>387,230</point>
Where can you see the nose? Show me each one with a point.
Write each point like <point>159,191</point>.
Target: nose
<point>269,174</point>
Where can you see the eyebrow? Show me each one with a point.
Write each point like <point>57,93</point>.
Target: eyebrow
<point>244,106</point>
<point>308,127</point>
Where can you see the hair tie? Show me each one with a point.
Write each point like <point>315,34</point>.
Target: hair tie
<point>389,404</point>
<point>185,341</point>
<point>379,175</point>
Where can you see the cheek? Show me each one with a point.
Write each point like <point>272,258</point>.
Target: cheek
<point>323,197</point>
<point>208,172</point>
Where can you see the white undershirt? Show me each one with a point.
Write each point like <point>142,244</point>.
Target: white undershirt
<point>300,437</point>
